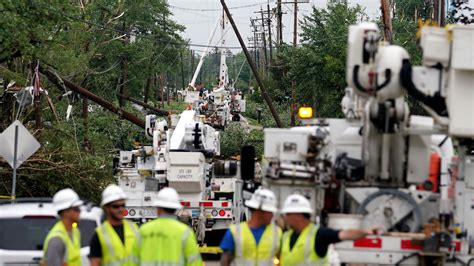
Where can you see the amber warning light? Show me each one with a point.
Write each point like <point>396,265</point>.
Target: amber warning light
<point>305,112</point>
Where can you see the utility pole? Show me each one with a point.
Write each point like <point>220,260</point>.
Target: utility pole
<point>269,24</point>
<point>167,92</point>
<point>192,62</point>
<point>61,83</point>
<point>255,43</point>
<point>293,82</point>
<point>162,89</point>
<point>387,20</point>
<point>182,70</point>
<point>439,11</point>
<point>279,25</point>
<point>264,37</point>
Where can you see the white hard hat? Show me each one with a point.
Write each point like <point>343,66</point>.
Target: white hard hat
<point>296,204</point>
<point>263,199</point>
<point>168,198</point>
<point>65,199</point>
<point>112,193</point>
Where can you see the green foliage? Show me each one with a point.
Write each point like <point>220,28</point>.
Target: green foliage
<point>318,67</point>
<point>99,45</point>
<point>235,136</point>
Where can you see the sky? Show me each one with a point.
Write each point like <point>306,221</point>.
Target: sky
<point>199,16</point>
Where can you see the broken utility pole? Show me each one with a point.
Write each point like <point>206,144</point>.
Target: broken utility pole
<point>252,66</point>
<point>61,83</point>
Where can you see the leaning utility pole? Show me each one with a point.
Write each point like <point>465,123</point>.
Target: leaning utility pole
<point>253,67</point>
<point>64,83</point>
<point>387,20</point>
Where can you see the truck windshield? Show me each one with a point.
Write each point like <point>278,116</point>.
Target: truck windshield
<point>28,233</point>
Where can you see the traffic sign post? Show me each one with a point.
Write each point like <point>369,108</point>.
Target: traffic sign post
<point>14,151</point>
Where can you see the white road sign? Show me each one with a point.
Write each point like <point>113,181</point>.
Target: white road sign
<point>27,144</point>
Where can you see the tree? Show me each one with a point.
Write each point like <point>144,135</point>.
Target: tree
<point>86,42</point>
<point>318,67</point>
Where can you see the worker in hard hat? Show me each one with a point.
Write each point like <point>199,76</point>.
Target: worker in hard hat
<point>113,241</point>
<point>63,243</point>
<point>257,241</point>
<point>305,243</point>
<point>165,240</point>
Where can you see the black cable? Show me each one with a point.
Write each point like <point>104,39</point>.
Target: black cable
<point>220,9</point>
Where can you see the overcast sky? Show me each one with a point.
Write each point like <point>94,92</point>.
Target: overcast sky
<point>199,16</point>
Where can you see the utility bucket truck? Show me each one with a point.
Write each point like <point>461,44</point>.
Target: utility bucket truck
<point>411,175</point>
<point>182,156</point>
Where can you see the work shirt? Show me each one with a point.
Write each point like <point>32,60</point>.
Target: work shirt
<point>167,242</point>
<point>55,252</point>
<point>95,247</point>
<point>324,238</point>
<point>61,246</point>
<point>228,244</point>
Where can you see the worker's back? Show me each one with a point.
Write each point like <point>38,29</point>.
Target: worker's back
<point>169,242</point>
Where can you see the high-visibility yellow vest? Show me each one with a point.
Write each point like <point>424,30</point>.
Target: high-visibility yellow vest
<point>72,256</point>
<point>167,242</point>
<point>303,252</point>
<point>114,252</point>
<point>247,252</point>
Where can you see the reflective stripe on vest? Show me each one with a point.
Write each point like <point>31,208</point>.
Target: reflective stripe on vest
<point>165,241</point>
<point>114,251</point>
<point>247,252</point>
<point>303,252</point>
<point>72,254</point>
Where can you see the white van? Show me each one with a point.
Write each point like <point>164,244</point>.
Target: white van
<point>24,224</point>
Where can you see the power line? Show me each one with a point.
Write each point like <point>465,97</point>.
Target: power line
<point>101,26</point>
<point>217,9</point>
